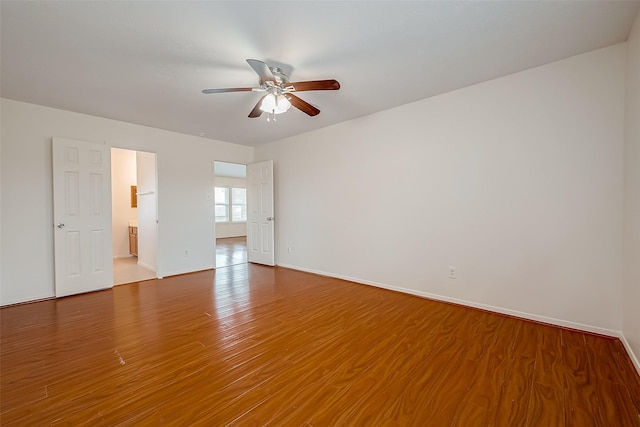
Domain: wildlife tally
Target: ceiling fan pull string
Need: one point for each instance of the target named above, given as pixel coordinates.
(273, 112)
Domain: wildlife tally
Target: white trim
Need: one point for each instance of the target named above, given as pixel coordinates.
(148, 267)
(514, 313)
(627, 346)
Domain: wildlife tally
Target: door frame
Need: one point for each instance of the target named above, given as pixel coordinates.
(157, 223)
(215, 182)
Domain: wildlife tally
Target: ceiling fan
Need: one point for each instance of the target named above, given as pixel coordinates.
(279, 90)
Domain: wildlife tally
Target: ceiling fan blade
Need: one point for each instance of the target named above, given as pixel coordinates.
(231, 89)
(302, 105)
(262, 69)
(315, 85)
(256, 112)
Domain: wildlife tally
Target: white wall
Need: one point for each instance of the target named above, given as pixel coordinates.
(123, 176)
(230, 229)
(632, 195)
(517, 182)
(185, 192)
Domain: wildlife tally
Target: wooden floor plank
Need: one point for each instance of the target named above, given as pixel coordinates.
(479, 404)
(549, 368)
(546, 407)
(254, 345)
(518, 379)
(616, 405)
(582, 405)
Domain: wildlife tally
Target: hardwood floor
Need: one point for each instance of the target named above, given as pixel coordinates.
(253, 345)
(231, 251)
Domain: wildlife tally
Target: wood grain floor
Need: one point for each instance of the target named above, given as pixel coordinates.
(231, 251)
(252, 345)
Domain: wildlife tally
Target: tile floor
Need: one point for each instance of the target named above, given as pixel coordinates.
(127, 270)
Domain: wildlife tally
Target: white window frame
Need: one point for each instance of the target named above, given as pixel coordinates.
(232, 204)
(225, 204)
(229, 205)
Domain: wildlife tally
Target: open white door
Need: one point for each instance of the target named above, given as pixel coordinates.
(82, 216)
(147, 209)
(260, 213)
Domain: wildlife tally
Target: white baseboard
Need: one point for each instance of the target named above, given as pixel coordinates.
(148, 267)
(495, 309)
(231, 236)
(632, 355)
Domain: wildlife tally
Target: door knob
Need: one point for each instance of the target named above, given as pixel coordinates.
(270, 218)
(60, 225)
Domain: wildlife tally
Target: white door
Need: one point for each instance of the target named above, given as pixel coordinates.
(147, 209)
(82, 216)
(260, 216)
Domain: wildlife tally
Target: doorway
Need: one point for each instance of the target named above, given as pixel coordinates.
(230, 180)
(134, 215)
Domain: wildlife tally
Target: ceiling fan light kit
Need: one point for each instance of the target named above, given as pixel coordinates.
(279, 97)
(276, 104)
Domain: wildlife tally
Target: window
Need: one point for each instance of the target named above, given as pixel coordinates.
(238, 204)
(234, 198)
(222, 204)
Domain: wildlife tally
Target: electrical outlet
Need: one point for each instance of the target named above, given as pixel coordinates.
(452, 273)
(289, 249)
(186, 252)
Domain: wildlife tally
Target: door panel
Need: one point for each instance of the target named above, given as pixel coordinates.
(147, 210)
(260, 215)
(82, 217)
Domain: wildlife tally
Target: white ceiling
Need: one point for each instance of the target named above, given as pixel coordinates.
(146, 62)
